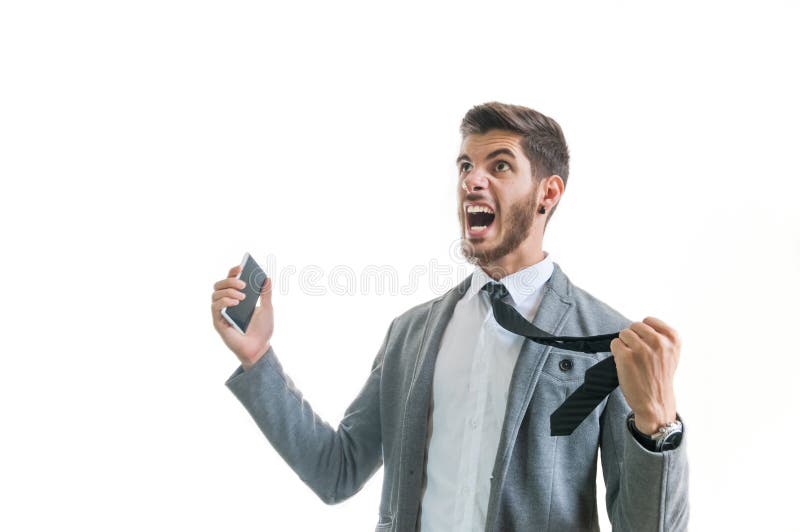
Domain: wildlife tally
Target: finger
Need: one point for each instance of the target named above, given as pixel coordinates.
(663, 328)
(221, 322)
(649, 336)
(228, 292)
(618, 348)
(223, 302)
(233, 272)
(266, 292)
(632, 340)
(216, 314)
(230, 282)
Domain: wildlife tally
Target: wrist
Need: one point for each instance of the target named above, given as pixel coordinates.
(666, 438)
(648, 425)
(250, 361)
(649, 420)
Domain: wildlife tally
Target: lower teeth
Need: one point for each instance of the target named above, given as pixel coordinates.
(478, 227)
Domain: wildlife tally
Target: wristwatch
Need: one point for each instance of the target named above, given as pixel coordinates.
(667, 438)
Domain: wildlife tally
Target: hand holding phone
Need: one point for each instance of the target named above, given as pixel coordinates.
(245, 328)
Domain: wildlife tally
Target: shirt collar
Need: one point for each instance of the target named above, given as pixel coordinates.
(520, 284)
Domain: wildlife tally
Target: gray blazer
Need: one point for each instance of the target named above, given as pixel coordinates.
(539, 482)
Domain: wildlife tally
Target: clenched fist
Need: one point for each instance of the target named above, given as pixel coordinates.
(646, 355)
(250, 347)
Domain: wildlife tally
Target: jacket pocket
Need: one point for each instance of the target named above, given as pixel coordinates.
(384, 524)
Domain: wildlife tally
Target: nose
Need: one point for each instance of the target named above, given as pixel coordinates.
(474, 181)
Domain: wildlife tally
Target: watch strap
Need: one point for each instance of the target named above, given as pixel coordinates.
(666, 439)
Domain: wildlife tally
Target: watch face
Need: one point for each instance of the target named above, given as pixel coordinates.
(672, 441)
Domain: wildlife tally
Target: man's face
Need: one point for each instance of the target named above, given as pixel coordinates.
(496, 195)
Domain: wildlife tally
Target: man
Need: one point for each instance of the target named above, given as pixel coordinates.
(457, 408)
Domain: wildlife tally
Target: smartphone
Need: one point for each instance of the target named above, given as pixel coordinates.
(252, 274)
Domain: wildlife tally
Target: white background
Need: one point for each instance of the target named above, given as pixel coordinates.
(144, 146)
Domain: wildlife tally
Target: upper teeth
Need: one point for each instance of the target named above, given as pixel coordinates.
(479, 208)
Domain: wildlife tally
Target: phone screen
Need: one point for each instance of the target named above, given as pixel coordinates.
(252, 274)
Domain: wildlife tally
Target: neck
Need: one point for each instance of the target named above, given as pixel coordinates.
(527, 254)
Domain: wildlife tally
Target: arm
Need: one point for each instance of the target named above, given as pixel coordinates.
(644, 490)
(335, 464)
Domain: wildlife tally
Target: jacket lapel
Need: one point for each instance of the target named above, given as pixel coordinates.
(414, 436)
(551, 317)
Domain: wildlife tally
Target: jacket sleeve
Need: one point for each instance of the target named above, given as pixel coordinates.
(334, 463)
(645, 491)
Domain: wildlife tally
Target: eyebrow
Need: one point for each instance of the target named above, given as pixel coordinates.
(495, 153)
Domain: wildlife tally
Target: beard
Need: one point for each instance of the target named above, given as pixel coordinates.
(516, 227)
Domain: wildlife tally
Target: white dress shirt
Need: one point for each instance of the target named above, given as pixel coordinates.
(470, 389)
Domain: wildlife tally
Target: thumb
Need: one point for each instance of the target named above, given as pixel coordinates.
(266, 293)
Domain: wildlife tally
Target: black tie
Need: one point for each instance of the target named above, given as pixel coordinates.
(600, 380)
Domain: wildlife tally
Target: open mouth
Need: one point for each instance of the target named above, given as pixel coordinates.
(479, 219)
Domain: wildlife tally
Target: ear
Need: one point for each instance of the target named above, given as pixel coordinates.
(553, 190)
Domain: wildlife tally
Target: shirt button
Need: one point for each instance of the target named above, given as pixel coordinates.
(473, 423)
(565, 365)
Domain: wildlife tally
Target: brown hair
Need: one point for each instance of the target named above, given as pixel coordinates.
(542, 139)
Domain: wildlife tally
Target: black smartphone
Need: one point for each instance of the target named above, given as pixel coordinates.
(252, 274)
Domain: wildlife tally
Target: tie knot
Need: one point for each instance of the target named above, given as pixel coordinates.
(495, 290)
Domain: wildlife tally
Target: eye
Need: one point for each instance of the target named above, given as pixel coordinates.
(502, 166)
(463, 167)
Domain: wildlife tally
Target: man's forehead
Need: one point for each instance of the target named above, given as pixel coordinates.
(478, 143)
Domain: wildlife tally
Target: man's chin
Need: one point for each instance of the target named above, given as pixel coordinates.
(476, 250)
